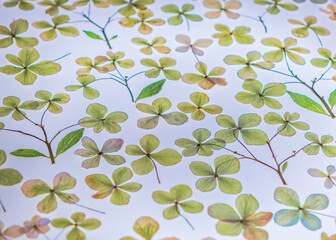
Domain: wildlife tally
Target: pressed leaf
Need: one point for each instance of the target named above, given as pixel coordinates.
(27, 153)
(69, 140)
(92, 35)
(151, 90)
(9, 177)
(306, 102)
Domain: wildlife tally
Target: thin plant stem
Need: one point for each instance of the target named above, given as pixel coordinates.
(156, 170)
(136, 74)
(129, 90)
(73, 125)
(321, 214)
(259, 19)
(186, 219)
(273, 137)
(246, 148)
(263, 23)
(24, 115)
(51, 153)
(44, 113)
(294, 154)
(188, 25)
(322, 75)
(110, 78)
(254, 159)
(2, 206)
(45, 235)
(91, 209)
(62, 57)
(332, 181)
(24, 133)
(194, 54)
(272, 152)
(319, 39)
(321, 98)
(120, 73)
(116, 76)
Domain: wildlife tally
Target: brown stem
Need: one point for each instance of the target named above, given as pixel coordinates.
(2, 206)
(295, 153)
(45, 111)
(281, 176)
(246, 148)
(24, 115)
(51, 153)
(272, 152)
(332, 181)
(24, 133)
(156, 171)
(73, 125)
(91, 209)
(254, 159)
(186, 219)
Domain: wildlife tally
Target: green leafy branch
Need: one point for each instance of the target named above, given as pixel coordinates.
(65, 144)
(256, 137)
(304, 101)
(101, 28)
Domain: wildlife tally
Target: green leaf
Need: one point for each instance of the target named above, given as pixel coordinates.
(332, 99)
(92, 35)
(3, 157)
(114, 37)
(9, 177)
(306, 102)
(151, 90)
(284, 167)
(69, 140)
(27, 153)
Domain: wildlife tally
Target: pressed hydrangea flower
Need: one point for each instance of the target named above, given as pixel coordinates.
(302, 31)
(248, 220)
(157, 44)
(205, 80)
(54, 5)
(259, 96)
(327, 58)
(156, 68)
(247, 72)
(23, 4)
(53, 102)
(284, 48)
(94, 155)
(201, 147)
(36, 226)
(200, 43)
(145, 19)
(98, 119)
(330, 11)
(275, 5)
(199, 99)
(158, 109)
(89, 65)
(51, 34)
(288, 123)
(14, 231)
(12, 106)
(116, 59)
(226, 36)
(218, 8)
(317, 144)
(224, 165)
(177, 20)
(290, 217)
(329, 179)
(131, 6)
(96, 3)
(16, 28)
(88, 92)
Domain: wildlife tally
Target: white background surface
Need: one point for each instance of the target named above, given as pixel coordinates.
(256, 179)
